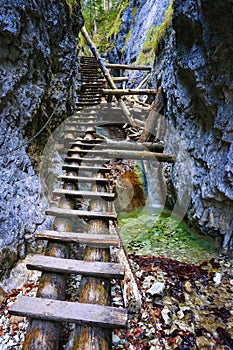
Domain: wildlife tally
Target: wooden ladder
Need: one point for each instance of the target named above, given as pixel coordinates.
(86, 163)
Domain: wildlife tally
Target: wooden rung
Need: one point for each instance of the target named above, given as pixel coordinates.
(81, 267)
(81, 168)
(129, 146)
(86, 160)
(88, 141)
(85, 194)
(98, 215)
(91, 240)
(80, 179)
(64, 311)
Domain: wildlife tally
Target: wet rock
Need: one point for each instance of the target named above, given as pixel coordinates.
(156, 289)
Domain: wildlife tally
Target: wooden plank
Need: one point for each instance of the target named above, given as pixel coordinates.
(87, 168)
(127, 66)
(84, 194)
(130, 146)
(123, 145)
(80, 179)
(137, 155)
(69, 266)
(60, 212)
(63, 311)
(123, 92)
(91, 240)
(85, 160)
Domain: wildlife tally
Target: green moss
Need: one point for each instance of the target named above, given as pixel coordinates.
(127, 39)
(147, 233)
(114, 28)
(154, 37)
(71, 4)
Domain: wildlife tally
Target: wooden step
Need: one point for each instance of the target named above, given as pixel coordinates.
(81, 267)
(91, 240)
(64, 311)
(89, 141)
(83, 179)
(82, 168)
(86, 160)
(84, 194)
(98, 215)
(85, 119)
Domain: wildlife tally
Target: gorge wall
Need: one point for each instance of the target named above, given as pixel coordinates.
(38, 72)
(193, 64)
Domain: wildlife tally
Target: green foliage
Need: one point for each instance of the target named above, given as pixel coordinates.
(103, 19)
(126, 40)
(155, 36)
(115, 19)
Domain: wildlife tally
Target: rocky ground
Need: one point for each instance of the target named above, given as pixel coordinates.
(185, 306)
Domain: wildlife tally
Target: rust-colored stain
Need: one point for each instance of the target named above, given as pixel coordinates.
(129, 191)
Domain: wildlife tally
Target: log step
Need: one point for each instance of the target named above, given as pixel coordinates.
(82, 179)
(63, 311)
(84, 194)
(89, 141)
(81, 267)
(81, 168)
(91, 240)
(86, 160)
(98, 215)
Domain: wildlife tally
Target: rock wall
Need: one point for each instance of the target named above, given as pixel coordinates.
(195, 68)
(38, 66)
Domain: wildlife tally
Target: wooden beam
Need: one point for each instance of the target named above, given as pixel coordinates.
(80, 267)
(130, 146)
(122, 92)
(60, 212)
(127, 66)
(63, 311)
(137, 155)
(93, 240)
(116, 79)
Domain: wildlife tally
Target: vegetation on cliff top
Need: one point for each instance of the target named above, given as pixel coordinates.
(103, 19)
(155, 36)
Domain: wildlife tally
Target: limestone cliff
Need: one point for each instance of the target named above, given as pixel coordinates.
(38, 42)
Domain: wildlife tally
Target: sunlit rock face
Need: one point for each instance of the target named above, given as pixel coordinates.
(195, 69)
(38, 42)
